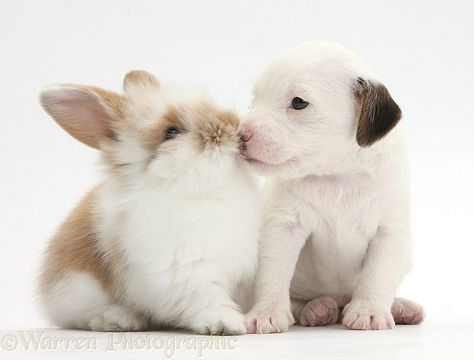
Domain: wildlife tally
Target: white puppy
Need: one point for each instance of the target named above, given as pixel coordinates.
(337, 221)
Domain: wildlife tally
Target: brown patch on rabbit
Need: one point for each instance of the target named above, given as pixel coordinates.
(75, 248)
(216, 128)
(213, 128)
(172, 119)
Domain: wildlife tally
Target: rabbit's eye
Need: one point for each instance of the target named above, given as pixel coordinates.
(171, 133)
(298, 103)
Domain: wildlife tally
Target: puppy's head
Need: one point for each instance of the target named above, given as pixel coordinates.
(314, 109)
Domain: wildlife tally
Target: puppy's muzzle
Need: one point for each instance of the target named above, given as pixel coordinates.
(244, 139)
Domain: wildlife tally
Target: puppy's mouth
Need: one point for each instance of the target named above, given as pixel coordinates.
(268, 167)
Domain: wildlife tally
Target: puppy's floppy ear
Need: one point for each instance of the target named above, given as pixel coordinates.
(87, 113)
(379, 113)
(139, 80)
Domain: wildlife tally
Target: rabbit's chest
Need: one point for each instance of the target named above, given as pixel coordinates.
(178, 235)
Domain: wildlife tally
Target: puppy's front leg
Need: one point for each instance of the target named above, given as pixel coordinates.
(281, 243)
(386, 263)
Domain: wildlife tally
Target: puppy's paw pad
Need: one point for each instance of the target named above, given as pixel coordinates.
(274, 319)
(407, 312)
(361, 317)
(319, 312)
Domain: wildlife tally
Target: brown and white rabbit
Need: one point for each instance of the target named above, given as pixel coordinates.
(169, 238)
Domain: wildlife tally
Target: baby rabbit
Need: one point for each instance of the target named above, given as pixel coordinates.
(169, 239)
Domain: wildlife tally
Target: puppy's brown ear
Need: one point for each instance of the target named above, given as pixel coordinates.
(87, 113)
(379, 113)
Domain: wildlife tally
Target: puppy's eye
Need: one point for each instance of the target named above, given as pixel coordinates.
(298, 103)
(171, 133)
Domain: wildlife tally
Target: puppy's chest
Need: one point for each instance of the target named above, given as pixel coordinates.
(343, 235)
(341, 214)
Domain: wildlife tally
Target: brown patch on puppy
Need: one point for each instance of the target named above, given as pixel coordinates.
(75, 248)
(379, 112)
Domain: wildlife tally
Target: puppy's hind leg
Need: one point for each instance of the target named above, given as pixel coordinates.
(320, 311)
(406, 312)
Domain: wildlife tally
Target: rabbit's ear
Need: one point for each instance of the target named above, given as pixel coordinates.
(89, 114)
(139, 80)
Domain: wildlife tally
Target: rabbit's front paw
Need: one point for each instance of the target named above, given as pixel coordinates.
(220, 322)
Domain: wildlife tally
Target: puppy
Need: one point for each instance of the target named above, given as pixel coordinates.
(336, 232)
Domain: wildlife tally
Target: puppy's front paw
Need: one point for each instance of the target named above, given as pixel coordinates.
(361, 316)
(269, 319)
(319, 312)
(220, 322)
(407, 312)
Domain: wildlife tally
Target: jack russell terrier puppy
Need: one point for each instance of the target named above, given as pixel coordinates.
(336, 232)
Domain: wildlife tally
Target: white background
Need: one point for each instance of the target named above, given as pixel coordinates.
(424, 51)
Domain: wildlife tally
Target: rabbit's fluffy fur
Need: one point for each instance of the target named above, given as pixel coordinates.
(161, 241)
